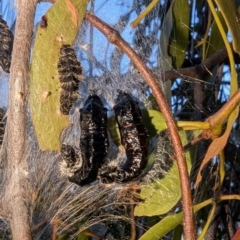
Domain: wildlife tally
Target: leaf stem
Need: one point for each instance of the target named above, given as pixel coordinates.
(144, 13)
(193, 125)
(209, 220)
(225, 111)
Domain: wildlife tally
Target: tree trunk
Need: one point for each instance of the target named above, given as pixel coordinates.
(17, 192)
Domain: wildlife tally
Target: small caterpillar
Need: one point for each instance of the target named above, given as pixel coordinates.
(134, 138)
(6, 45)
(70, 74)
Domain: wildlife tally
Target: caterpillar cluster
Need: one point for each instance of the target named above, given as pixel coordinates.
(70, 74)
(6, 45)
(94, 142)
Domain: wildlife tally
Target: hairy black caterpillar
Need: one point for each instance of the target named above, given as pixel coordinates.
(6, 45)
(94, 139)
(70, 74)
(134, 138)
(93, 144)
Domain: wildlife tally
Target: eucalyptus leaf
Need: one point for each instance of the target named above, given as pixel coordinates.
(215, 41)
(162, 195)
(114, 130)
(82, 236)
(167, 224)
(153, 121)
(179, 35)
(232, 19)
(166, 59)
(61, 24)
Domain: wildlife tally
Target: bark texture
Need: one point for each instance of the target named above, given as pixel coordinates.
(17, 195)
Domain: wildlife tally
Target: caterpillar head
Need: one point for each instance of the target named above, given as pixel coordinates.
(71, 162)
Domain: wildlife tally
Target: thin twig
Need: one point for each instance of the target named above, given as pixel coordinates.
(115, 38)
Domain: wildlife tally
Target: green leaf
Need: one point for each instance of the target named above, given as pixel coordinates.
(215, 41)
(153, 121)
(168, 223)
(162, 195)
(232, 19)
(166, 30)
(63, 237)
(166, 60)
(82, 236)
(63, 21)
(163, 227)
(179, 36)
(177, 233)
(114, 131)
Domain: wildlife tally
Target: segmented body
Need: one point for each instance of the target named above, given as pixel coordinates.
(6, 45)
(94, 138)
(134, 138)
(93, 141)
(70, 74)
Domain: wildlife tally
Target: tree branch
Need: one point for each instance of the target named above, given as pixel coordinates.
(114, 38)
(16, 198)
(196, 72)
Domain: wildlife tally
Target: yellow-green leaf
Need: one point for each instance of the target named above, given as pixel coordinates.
(180, 32)
(154, 121)
(162, 195)
(232, 19)
(215, 41)
(114, 131)
(159, 230)
(63, 20)
(218, 144)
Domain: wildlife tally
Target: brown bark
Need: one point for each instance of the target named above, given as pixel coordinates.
(17, 192)
(195, 73)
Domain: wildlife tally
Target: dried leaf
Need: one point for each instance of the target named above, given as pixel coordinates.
(218, 144)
